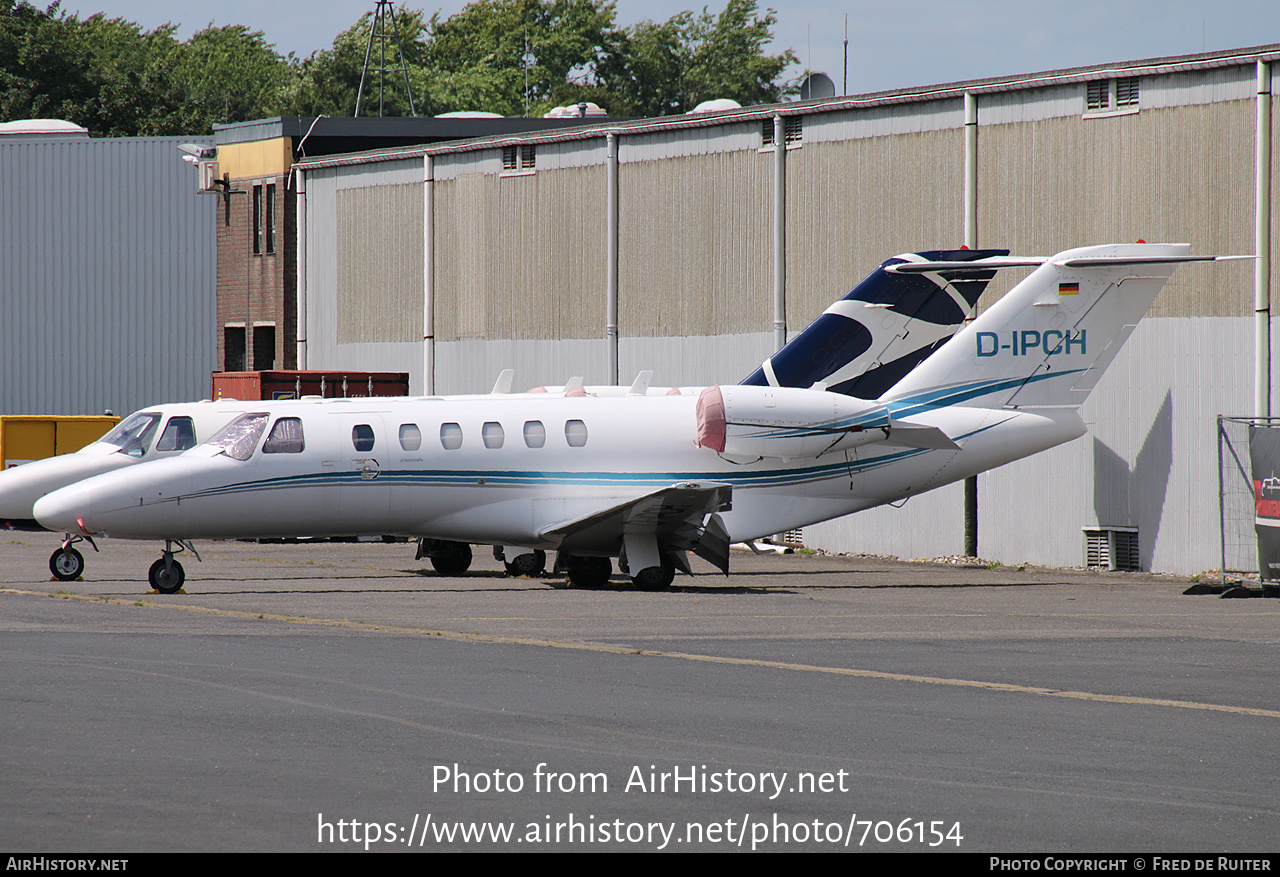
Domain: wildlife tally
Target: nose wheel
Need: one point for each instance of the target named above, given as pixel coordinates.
(66, 564)
(166, 574)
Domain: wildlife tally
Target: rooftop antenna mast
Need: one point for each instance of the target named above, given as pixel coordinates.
(378, 31)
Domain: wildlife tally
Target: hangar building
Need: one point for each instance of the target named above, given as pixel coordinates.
(692, 244)
(106, 272)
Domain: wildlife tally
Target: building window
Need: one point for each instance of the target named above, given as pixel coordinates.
(271, 218)
(1127, 92)
(519, 159)
(256, 220)
(792, 127)
(233, 349)
(1109, 96)
(264, 347)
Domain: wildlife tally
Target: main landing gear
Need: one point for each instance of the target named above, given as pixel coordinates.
(66, 563)
(166, 574)
(588, 572)
(447, 558)
(528, 563)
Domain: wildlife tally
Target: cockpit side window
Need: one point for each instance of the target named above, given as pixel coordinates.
(133, 436)
(179, 435)
(239, 437)
(285, 438)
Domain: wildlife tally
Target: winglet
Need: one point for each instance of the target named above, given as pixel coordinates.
(640, 386)
(502, 386)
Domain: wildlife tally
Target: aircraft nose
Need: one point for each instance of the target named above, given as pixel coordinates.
(67, 510)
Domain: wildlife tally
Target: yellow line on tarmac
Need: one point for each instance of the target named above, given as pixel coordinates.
(614, 649)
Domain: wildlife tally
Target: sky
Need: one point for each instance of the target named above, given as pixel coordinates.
(891, 45)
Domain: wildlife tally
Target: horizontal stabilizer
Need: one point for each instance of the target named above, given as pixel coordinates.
(912, 436)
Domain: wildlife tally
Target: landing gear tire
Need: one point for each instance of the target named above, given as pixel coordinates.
(66, 564)
(532, 563)
(654, 578)
(167, 578)
(589, 572)
(452, 559)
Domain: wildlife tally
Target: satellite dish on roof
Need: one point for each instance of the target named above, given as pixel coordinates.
(817, 85)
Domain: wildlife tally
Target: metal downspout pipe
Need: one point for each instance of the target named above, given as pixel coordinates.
(1262, 248)
(971, 241)
(428, 277)
(779, 233)
(611, 256)
(300, 290)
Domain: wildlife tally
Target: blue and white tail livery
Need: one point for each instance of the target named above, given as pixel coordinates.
(646, 478)
(886, 326)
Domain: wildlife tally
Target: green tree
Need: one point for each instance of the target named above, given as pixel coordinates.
(327, 82)
(44, 66)
(672, 67)
(476, 60)
(227, 74)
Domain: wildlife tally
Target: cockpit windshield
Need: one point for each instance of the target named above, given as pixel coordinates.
(239, 437)
(133, 436)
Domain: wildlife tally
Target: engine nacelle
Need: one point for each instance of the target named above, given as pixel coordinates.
(786, 422)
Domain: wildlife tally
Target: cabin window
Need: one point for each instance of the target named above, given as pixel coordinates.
(575, 433)
(179, 435)
(133, 436)
(362, 437)
(285, 438)
(535, 434)
(239, 437)
(492, 435)
(410, 436)
(450, 436)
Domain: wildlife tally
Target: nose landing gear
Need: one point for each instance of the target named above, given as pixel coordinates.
(166, 574)
(66, 563)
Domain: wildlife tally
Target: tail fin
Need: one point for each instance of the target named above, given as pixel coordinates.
(887, 325)
(1049, 339)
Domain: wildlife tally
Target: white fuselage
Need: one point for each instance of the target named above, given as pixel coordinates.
(170, 430)
(595, 451)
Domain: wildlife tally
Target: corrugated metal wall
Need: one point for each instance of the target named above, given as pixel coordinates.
(852, 204)
(695, 245)
(107, 269)
(520, 256)
(380, 263)
(1179, 174)
(520, 277)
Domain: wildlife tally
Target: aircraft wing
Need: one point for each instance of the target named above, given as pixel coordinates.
(664, 523)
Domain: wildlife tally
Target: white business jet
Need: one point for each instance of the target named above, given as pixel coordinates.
(861, 345)
(647, 478)
(150, 434)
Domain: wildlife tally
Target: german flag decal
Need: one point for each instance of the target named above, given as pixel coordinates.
(1068, 289)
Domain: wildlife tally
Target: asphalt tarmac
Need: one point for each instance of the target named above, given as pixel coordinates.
(343, 697)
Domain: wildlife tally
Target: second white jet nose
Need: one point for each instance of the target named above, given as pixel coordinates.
(67, 510)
